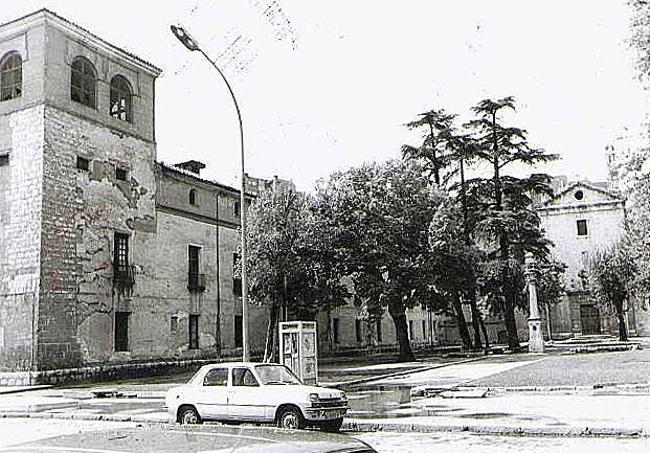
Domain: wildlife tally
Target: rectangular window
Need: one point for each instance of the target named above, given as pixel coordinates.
(4, 159)
(194, 331)
(411, 332)
(582, 227)
(239, 338)
(236, 209)
(379, 332)
(121, 331)
(337, 326)
(358, 329)
(121, 253)
(243, 377)
(193, 266)
(236, 282)
(424, 329)
(83, 163)
(174, 324)
(120, 173)
(216, 377)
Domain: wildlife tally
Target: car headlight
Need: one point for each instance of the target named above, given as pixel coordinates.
(313, 397)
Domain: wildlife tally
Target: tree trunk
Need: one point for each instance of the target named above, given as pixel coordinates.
(548, 323)
(622, 328)
(477, 319)
(460, 320)
(436, 166)
(328, 330)
(270, 332)
(476, 316)
(398, 314)
(485, 335)
(511, 324)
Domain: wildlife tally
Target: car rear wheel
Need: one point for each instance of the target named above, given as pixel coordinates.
(187, 415)
(291, 418)
(331, 426)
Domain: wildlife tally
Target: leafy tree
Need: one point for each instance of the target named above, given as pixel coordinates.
(640, 34)
(378, 216)
(610, 275)
(434, 155)
(454, 263)
(287, 262)
(507, 225)
(550, 289)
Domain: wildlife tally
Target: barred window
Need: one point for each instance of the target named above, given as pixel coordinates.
(83, 82)
(11, 76)
(121, 99)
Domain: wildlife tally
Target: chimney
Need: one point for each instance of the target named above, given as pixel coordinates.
(193, 166)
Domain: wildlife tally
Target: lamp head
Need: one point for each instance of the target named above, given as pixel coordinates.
(184, 37)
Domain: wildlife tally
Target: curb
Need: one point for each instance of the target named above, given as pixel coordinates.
(498, 430)
(605, 387)
(354, 426)
(22, 389)
(357, 382)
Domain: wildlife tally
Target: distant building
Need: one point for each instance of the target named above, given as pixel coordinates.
(581, 219)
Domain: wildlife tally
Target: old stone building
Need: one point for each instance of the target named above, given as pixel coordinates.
(110, 260)
(105, 255)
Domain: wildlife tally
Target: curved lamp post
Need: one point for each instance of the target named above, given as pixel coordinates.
(192, 45)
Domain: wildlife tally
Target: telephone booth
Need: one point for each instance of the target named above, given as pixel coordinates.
(298, 349)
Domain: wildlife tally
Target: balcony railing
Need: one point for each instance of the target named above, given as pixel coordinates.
(124, 276)
(195, 282)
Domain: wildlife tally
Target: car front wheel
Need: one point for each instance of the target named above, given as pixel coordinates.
(291, 418)
(187, 415)
(331, 426)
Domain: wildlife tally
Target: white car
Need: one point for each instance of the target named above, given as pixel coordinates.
(255, 392)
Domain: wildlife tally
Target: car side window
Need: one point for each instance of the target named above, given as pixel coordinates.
(243, 377)
(216, 377)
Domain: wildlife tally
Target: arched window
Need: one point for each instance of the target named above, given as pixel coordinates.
(192, 196)
(11, 76)
(83, 81)
(121, 95)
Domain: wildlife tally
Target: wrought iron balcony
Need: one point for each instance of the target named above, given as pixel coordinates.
(195, 281)
(124, 276)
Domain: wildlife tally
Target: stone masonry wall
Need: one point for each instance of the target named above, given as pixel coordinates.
(21, 136)
(82, 211)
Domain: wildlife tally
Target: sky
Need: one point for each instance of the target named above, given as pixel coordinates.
(325, 85)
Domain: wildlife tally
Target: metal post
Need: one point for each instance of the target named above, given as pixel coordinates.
(192, 45)
(535, 337)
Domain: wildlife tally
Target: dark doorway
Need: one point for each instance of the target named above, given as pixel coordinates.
(121, 331)
(239, 340)
(590, 319)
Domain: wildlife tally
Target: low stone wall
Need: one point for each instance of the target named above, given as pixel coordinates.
(101, 372)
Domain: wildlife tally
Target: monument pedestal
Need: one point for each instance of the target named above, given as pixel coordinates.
(535, 337)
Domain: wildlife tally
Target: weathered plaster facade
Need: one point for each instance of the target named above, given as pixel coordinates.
(581, 219)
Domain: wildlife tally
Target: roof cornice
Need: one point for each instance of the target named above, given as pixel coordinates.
(45, 16)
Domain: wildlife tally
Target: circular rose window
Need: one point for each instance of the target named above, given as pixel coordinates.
(579, 195)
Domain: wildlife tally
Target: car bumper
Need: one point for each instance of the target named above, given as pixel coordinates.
(325, 413)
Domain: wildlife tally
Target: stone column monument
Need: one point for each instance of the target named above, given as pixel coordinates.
(535, 338)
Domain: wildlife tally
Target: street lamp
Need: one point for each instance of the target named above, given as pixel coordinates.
(192, 45)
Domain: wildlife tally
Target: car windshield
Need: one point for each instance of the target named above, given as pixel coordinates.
(276, 374)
